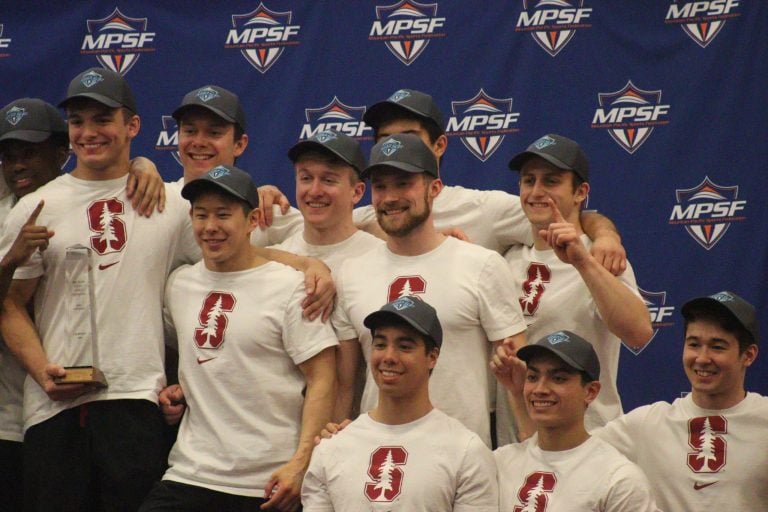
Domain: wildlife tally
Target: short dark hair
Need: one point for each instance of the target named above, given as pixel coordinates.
(724, 320)
(396, 114)
(247, 208)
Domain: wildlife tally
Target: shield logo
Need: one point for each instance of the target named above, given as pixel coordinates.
(336, 110)
(390, 147)
(629, 137)
(262, 56)
(119, 24)
(656, 302)
(218, 172)
(206, 94)
(558, 337)
(554, 38)
(702, 26)
(168, 139)
(15, 115)
(91, 78)
(405, 47)
(478, 138)
(706, 229)
(324, 136)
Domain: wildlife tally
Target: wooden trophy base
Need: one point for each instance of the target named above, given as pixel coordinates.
(82, 375)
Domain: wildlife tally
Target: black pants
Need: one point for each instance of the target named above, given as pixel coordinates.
(11, 487)
(100, 456)
(169, 496)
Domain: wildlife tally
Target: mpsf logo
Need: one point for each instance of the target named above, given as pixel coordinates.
(707, 211)
(482, 122)
(117, 41)
(701, 20)
(15, 115)
(262, 36)
(4, 43)
(660, 313)
(406, 28)
(553, 23)
(630, 114)
(335, 116)
(168, 138)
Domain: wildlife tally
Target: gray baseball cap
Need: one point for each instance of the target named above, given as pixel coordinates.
(560, 151)
(413, 101)
(404, 151)
(30, 120)
(218, 100)
(414, 311)
(232, 180)
(334, 143)
(103, 85)
(738, 308)
(577, 352)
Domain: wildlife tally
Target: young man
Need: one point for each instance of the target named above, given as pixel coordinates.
(490, 218)
(559, 283)
(468, 285)
(404, 453)
(70, 429)
(562, 467)
(246, 355)
(707, 450)
(328, 186)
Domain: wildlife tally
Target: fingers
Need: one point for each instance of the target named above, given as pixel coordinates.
(557, 215)
(35, 213)
(130, 187)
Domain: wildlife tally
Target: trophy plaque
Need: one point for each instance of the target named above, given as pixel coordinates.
(81, 321)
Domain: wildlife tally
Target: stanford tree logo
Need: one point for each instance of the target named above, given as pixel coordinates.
(406, 28)
(385, 468)
(553, 23)
(707, 211)
(335, 116)
(482, 122)
(630, 115)
(117, 41)
(262, 36)
(212, 320)
(534, 494)
(701, 20)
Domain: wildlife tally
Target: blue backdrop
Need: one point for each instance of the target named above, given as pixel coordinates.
(667, 97)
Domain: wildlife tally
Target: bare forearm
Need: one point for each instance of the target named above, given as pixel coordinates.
(318, 403)
(596, 225)
(301, 263)
(22, 339)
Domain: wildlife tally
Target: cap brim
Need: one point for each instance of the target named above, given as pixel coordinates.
(27, 135)
(383, 317)
(519, 160)
(96, 97)
(402, 166)
(193, 189)
(528, 352)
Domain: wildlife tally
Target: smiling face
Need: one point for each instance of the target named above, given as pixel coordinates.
(714, 365)
(101, 137)
(555, 396)
(540, 180)
(29, 165)
(205, 141)
(222, 229)
(402, 200)
(400, 361)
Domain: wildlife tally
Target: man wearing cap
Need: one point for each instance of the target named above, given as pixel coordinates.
(490, 218)
(468, 285)
(558, 282)
(403, 454)
(709, 449)
(328, 186)
(561, 467)
(246, 353)
(86, 446)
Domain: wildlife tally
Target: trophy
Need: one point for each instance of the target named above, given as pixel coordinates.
(81, 321)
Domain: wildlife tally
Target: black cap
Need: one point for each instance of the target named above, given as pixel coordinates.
(577, 352)
(333, 143)
(414, 311)
(560, 151)
(218, 100)
(228, 178)
(415, 102)
(102, 85)
(404, 151)
(30, 120)
(729, 302)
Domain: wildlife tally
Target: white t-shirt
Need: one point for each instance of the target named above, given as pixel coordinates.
(433, 463)
(468, 286)
(131, 257)
(553, 297)
(12, 374)
(283, 227)
(699, 459)
(490, 218)
(241, 337)
(591, 477)
(332, 255)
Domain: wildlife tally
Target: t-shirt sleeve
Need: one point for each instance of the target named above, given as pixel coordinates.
(510, 225)
(477, 486)
(364, 216)
(622, 432)
(304, 338)
(342, 324)
(314, 489)
(283, 226)
(13, 224)
(500, 312)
